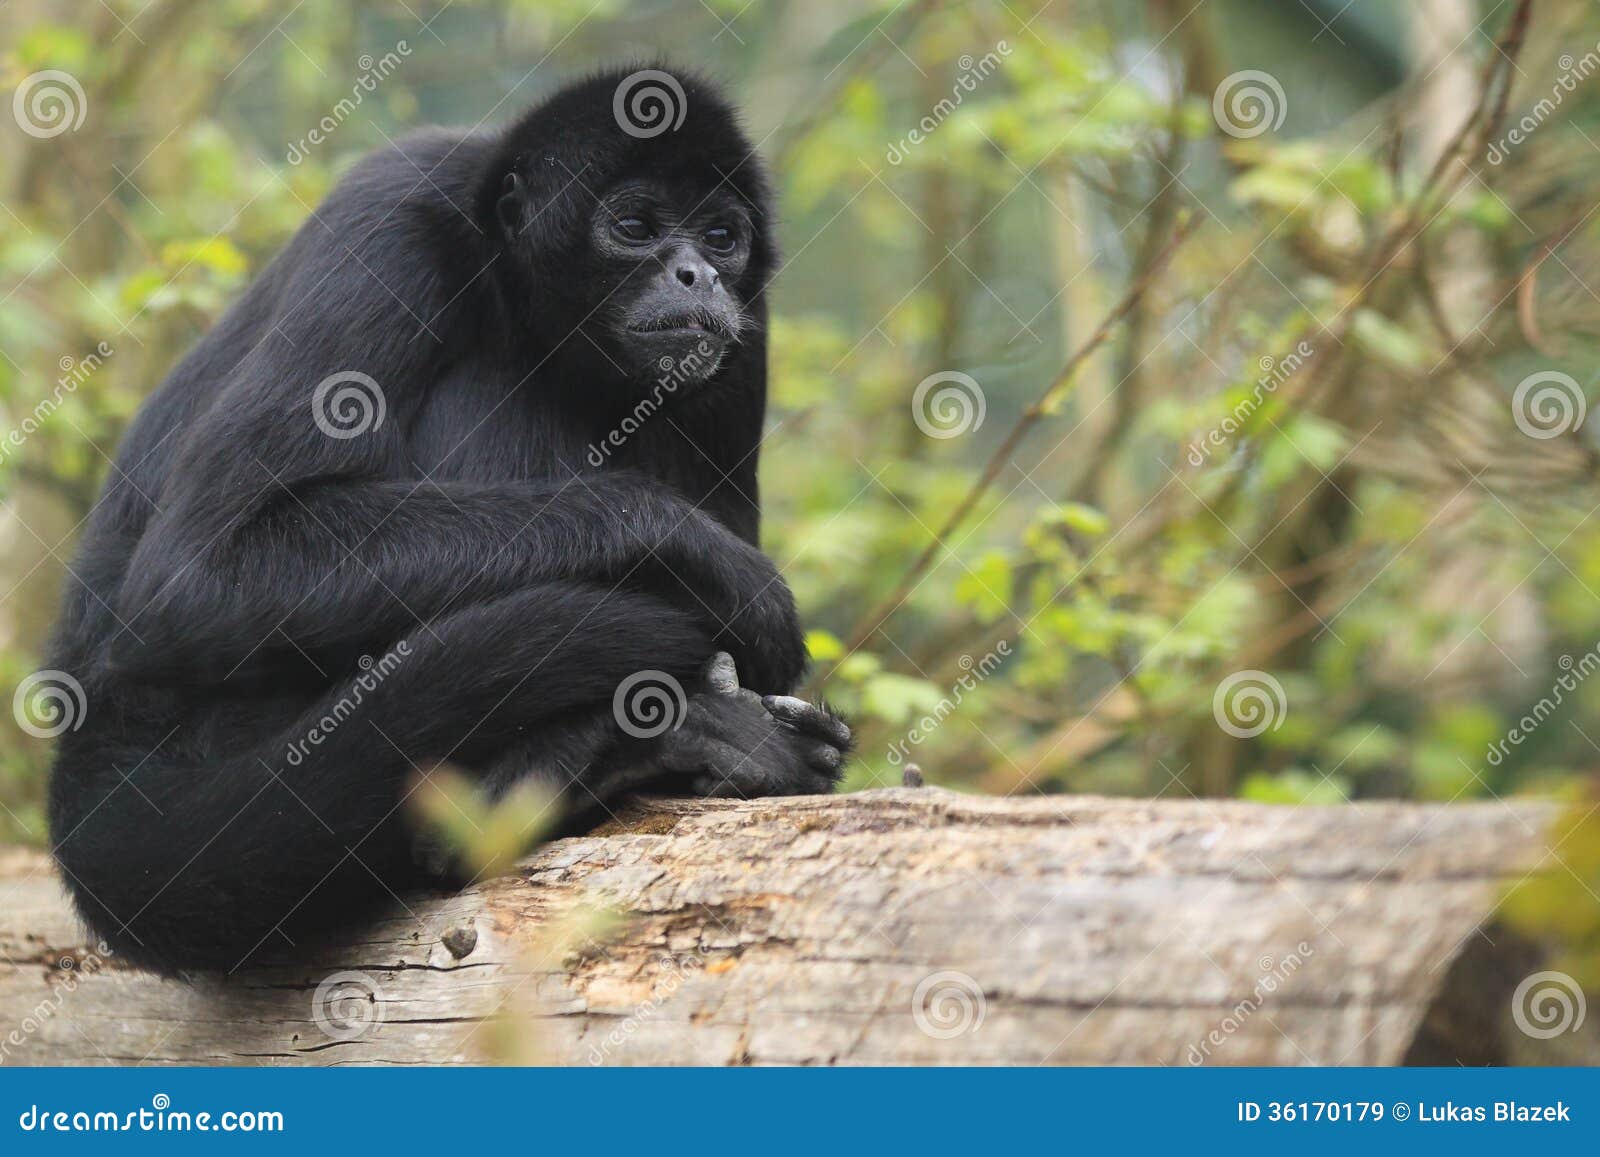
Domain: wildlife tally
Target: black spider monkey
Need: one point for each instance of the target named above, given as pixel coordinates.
(401, 442)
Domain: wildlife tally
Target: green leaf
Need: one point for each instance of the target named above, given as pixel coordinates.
(1086, 520)
(898, 698)
(1295, 786)
(217, 254)
(987, 587)
(825, 647)
(1384, 339)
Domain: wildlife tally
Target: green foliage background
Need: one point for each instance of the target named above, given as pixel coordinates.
(1378, 536)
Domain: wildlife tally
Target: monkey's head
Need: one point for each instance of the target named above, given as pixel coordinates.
(635, 217)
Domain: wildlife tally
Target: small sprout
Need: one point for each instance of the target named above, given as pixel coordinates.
(487, 837)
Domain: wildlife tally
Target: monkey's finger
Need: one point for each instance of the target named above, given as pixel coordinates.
(792, 710)
(714, 786)
(721, 675)
(826, 756)
(732, 774)
(808, 718)
(688, 750)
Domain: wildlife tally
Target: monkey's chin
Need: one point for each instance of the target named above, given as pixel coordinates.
(681, 358)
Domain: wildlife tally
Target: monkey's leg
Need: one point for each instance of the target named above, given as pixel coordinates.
(183, 857)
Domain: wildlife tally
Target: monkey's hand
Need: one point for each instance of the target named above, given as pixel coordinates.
(747, 605)
(734, 743)
(765, 637)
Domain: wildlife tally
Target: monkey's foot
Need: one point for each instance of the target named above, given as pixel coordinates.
(733, 743)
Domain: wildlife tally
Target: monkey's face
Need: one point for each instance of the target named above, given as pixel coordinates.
(669, 270)
(636, 259)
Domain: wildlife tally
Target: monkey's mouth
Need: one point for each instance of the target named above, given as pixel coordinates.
(687, 323)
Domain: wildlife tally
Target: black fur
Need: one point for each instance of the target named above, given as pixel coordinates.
(499, 562)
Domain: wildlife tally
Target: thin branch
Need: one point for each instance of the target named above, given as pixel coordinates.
(865, 64)
(1048, 399)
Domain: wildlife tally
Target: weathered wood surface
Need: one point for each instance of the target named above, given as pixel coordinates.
(898, 926)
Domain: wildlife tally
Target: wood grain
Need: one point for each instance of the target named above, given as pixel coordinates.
(905, 926)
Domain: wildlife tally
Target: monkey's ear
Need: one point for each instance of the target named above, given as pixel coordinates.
(509, 207)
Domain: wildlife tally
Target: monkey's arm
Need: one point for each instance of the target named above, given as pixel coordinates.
(332, 567)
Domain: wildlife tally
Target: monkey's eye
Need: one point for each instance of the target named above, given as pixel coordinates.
(633, 229)
(719, 239)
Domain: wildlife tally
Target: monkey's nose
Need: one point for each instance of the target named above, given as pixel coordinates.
(696, 274)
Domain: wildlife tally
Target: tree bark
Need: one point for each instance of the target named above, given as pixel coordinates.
(903, 926)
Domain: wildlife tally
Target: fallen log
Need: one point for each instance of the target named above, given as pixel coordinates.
(904, 926)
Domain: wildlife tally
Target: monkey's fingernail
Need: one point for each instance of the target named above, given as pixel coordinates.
(721, 674)
(835, 731)
(911, 776)
(829, 756)
(785, 706)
